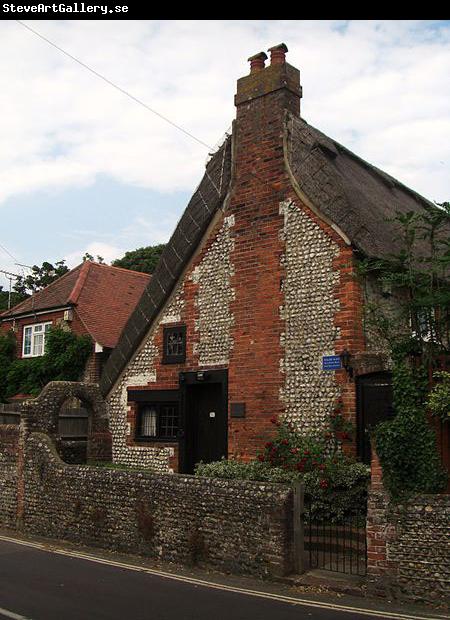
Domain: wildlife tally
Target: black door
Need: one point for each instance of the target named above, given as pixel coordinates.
(374, 406)
(205, 420)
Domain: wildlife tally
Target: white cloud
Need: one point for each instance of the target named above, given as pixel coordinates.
(97, 248)
(382, 88)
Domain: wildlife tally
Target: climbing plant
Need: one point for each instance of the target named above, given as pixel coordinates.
(439, 398)
(65, 357)
(416, 332)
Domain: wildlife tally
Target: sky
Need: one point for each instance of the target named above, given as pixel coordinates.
(84, 168)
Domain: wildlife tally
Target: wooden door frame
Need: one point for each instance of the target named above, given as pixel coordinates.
(199, 378)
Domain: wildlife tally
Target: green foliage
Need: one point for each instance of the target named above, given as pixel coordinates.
(416, 333)
(421, 279)
(7, 353)
(345, 492)
(65, 356)
(438, 400)
(142, 259)
(16, 298)
(304, 453)
(406, 445)
(335, 485)
(89, 257)
(40, 277)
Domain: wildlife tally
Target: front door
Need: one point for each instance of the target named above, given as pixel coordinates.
(374, 406)
(205, 420)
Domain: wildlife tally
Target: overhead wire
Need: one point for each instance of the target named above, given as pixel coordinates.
(116, 86)
(135, 99)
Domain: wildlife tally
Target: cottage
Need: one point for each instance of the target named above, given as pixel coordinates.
(92, 299)
(254, 306)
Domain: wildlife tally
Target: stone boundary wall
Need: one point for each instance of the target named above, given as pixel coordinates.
(231, 526)
(9, 454)
(408, 545)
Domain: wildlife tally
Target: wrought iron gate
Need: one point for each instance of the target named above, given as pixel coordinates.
(340, 547)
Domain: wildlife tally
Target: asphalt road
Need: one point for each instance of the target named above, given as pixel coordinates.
(39, 585)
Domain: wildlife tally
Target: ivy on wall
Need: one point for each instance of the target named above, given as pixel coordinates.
(65, 357)
(417, 335)
(439, 398)
(406, 445)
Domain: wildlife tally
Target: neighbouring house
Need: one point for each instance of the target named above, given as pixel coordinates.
(255, 306)
(92, 299)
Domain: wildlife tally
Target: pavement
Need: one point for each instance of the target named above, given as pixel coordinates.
(48, 580)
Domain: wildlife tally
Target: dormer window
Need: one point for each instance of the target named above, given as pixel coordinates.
(174, 343)
(34, 339)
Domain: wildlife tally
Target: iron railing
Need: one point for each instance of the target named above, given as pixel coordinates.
(340, 547)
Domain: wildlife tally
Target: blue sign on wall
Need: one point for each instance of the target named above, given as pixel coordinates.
(331, 362)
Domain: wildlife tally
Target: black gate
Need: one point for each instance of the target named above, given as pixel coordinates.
(339, 547)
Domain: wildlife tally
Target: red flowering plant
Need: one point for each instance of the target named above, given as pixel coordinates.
(339, 429)
(335, 484)
(292, 451)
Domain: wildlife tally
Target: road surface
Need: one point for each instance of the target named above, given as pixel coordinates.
(37, 584)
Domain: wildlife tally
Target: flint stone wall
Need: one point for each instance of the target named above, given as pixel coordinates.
(42, 415)
(234, 526)
(9, 444)
(408, 545)
(422, 546)
(309, 393)
(212, 327)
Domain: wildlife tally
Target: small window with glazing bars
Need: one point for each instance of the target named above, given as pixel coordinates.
(174, 345)
(158, 421)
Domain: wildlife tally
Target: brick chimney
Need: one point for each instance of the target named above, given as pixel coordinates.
(261, 100)
(260, 183)
(280, 81)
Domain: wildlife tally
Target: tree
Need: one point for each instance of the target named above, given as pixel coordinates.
(142, 259)
(16, 298)
(89, 257)
(40, 277)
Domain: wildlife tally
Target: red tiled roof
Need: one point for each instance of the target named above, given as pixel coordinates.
(54, 295)
(104, 297)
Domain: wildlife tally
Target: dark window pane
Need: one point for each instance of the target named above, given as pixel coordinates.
(168, 422)
(175, 343)
(174, 351)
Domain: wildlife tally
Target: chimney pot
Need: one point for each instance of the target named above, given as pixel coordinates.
(278, 54)
(257, 62)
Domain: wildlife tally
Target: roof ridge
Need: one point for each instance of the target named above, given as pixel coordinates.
(132, 271)
(74, 295)
(38, 293)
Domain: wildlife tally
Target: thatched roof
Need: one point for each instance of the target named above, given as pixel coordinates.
(359, 198)
(205, 202)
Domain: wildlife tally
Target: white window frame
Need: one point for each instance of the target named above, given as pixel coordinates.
(42, 329)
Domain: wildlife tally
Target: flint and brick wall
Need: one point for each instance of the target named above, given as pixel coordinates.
(233, 526)
(9, 454)
(201, 302)
(408, 545)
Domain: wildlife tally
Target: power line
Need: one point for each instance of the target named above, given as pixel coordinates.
(119, 88)
(135, 99)
(8, 252)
